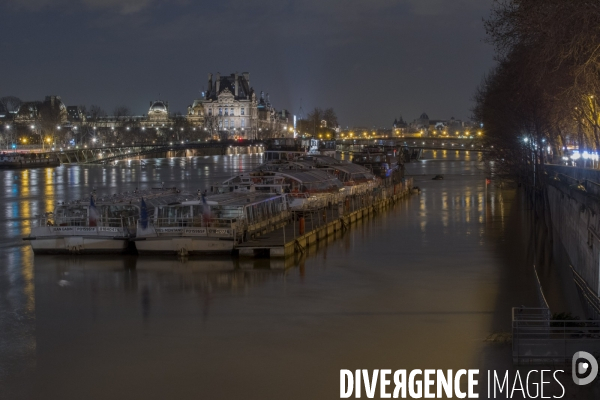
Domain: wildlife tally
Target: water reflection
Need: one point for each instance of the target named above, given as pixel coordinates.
(419, 286)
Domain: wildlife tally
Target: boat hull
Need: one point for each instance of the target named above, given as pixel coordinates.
(79, 240)
(184, 245)
(79, 245)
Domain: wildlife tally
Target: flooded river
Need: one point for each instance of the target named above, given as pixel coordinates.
(420, 286)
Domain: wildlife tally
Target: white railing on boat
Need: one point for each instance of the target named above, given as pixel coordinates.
(211, 227)
(85, 222)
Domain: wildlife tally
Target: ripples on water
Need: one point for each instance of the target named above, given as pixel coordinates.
(419, 286)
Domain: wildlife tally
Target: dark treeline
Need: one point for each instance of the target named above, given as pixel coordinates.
(543, 94)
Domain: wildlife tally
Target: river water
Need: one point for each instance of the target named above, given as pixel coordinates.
(420, 286)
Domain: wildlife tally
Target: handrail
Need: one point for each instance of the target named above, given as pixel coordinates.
(85, 221)
(197, 221)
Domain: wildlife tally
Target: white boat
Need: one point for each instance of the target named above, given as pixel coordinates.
(93, 226)
(75, 229)
(355, 178)
(209, 225)
(310, 188)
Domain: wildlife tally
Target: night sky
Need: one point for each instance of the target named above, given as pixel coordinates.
(371, 60)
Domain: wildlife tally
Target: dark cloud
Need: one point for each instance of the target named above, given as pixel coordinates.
(372, 60)
(120, 6)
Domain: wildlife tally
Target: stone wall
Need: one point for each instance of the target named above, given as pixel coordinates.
(575, 219)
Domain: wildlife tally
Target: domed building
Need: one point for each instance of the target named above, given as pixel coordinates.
(158, 112)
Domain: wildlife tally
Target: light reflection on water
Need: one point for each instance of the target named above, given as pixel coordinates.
(420, 286)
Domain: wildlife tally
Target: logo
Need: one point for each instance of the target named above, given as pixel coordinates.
(583, 364)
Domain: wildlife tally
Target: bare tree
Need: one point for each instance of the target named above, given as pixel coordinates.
(96, 112)
(50, 121)
(330, 117)
(10, 104)
(546, 86)
(121, 111)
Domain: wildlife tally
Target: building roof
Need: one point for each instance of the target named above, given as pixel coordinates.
(400, 123)
(227, 82)
(159, 106)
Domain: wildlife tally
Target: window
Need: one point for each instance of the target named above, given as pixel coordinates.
(226, 111)
(226, 123)
(210, 111)
(220, 124)
(242, 110)
(232, 111)
(220, 111)
(243, 122)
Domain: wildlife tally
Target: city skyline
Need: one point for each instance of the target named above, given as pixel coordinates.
(309, 55)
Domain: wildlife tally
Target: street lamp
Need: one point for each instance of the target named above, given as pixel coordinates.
(8, 128)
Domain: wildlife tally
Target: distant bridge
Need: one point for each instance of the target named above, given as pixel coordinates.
(427, 143)
(106, 154)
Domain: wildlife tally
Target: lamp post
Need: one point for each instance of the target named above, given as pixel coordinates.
(8, 129)
(55, 135)
(37, 131)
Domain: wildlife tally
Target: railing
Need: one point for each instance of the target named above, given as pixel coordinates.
(538, 339)
(85, 221)
(584, 185)
(194, 226)
(177, 222)
(313, 201)
(590, 299)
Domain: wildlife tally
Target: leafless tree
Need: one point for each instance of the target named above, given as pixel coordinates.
(121, 111)
(330, 117)
(546, 86)
(10, 103)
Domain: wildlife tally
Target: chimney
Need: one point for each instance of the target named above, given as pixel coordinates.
(236, 84)
(247, 78)
(218, 83)
(209, 82)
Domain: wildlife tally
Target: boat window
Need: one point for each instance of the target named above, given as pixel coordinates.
(174, 214)
(72, 216)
